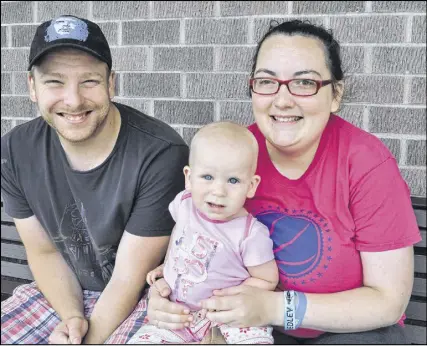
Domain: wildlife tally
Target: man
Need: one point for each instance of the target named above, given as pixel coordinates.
(88, 185)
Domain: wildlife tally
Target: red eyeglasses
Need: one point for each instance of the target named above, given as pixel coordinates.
(297, 87)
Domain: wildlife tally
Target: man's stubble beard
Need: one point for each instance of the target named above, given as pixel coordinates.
(95, 129)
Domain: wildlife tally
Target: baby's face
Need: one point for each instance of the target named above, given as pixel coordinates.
(220, 180)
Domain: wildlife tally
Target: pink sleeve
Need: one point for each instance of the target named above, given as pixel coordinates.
(174, 205)
(381, 206)
(257, 248)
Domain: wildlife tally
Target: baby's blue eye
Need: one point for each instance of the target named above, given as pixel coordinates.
(207, 177)
(233, 181)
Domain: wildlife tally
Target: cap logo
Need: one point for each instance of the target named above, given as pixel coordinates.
(66, 28)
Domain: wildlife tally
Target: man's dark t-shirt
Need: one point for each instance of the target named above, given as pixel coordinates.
(85, 213)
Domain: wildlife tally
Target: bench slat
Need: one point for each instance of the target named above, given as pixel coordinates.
(5, 217)
(13, 251)
(7, 286)
(9, 233)
(416, 311)
(421, 216)
(416, 334)
(423, 242)
(419, 288)
(420, 264)
(419, 202)
(16, 270)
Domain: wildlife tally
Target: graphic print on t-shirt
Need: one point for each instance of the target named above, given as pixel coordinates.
(191, 256)
(73, 238)
(302, 243)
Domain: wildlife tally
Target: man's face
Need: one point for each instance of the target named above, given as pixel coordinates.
(72, 90)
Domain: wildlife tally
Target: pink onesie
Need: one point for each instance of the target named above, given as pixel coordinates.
(205, 254)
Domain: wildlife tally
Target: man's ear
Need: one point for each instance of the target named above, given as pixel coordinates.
(112, 84)
(187, 173)
(31, 87)
(256, 179)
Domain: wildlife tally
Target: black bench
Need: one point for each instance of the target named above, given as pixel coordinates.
(15, 270)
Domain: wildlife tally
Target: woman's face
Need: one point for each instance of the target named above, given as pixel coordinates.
(291, 123)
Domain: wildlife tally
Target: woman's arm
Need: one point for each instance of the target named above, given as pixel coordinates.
(388, 279)
(265, 276)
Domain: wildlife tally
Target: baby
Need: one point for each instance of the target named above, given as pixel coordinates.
(215, 243)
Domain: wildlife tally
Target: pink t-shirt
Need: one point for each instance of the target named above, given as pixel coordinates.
(352, 198)
(205, 255)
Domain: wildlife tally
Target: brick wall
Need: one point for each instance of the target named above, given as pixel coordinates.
(187, 63)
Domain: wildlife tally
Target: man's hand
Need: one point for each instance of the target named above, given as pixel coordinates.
(69, 331)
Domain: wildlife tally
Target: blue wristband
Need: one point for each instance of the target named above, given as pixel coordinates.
(289, 315)
(300, 309)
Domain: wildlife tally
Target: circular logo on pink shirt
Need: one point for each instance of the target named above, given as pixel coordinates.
(300, 248)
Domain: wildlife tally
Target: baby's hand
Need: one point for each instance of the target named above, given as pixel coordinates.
(203, 313)
(155, 274)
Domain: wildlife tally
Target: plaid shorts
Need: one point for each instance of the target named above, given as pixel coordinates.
(27, 317)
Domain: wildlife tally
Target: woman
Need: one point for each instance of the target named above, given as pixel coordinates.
(338, 210)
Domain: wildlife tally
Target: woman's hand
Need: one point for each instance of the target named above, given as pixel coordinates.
(163, 313)
(245, 306)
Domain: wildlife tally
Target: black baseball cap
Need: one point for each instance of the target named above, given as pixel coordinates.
(70, 31)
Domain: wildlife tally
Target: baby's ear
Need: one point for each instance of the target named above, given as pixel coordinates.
(187, 173)
(256, 179)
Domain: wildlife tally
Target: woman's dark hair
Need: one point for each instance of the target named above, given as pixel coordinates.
(305, 28)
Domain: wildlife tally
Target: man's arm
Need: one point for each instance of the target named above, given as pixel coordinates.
(136, 256)
(53, 276)
(143, 244)
(158, 272)
(265, 276)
